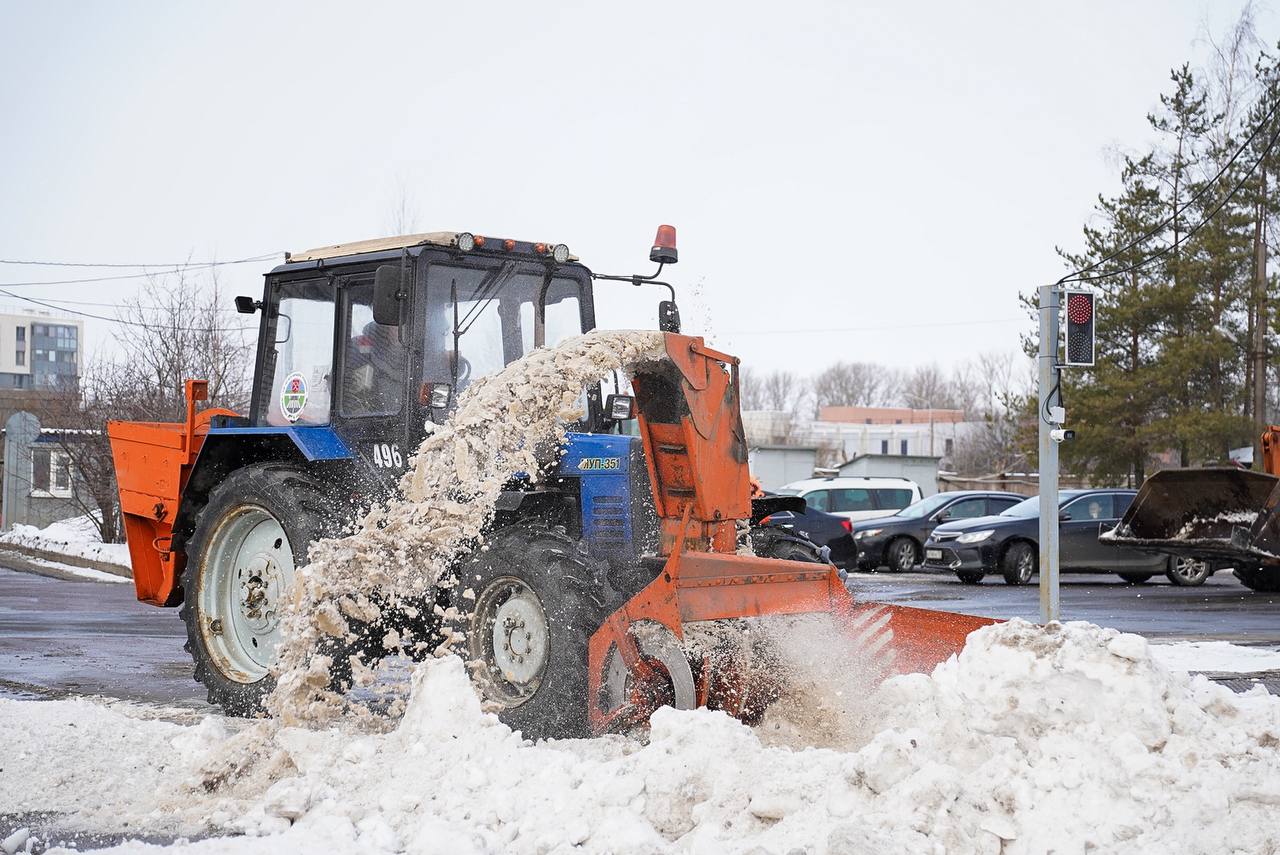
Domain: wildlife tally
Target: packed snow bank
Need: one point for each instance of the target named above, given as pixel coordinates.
(1065, 739)
(1215, 656)
(77, 536)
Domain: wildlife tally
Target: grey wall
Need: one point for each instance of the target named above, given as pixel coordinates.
(20, 507)
(922, 470)
(774, 467)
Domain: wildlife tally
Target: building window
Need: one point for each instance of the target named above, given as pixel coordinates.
(904, 447)
(39, 329)
(50, 473)
(884, 446)
(948, 446)
(22, 333)
(20, 358)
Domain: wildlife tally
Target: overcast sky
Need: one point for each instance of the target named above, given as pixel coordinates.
(850, 180)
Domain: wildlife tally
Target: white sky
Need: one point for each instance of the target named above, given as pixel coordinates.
(860, 181)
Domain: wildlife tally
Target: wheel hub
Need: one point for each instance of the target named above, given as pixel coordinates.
(510, 621)
(244, 579)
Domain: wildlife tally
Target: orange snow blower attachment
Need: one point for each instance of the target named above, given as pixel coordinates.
(642, 656)
(152, 461)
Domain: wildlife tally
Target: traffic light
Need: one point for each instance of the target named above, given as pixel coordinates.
(1079, 319)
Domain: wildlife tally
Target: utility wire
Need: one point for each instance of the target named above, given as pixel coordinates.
(262, 257)
(1078, 276)
(121, 321)
(205, 265)
(877, 327)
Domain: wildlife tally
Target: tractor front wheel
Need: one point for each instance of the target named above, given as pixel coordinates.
(249, 540)
(536, 606)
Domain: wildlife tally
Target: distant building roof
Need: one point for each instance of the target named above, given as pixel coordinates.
(888, 415)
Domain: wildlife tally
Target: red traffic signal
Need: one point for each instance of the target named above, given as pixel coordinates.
(1079, 320)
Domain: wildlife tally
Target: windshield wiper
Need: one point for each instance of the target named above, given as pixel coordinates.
(494, 282)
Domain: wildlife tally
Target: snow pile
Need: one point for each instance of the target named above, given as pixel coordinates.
(77, 536)
(1215, 656)
(377, 583)
(1066, 739)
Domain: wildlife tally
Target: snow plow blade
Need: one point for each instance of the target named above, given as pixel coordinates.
(699, 633)
(1216, 514)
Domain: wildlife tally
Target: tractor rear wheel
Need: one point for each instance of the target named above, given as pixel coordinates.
(537, 603)
(249, 540)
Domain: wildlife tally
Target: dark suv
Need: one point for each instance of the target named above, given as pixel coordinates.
(898, 540)
(1009, 543)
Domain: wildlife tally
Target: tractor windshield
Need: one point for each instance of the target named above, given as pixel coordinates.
(481, 319)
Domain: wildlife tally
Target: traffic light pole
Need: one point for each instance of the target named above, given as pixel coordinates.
(1050, 396)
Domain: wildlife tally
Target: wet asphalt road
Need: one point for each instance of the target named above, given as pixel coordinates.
(91, 638)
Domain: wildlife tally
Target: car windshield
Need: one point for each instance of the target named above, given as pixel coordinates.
(1031, 507)
(924, 507)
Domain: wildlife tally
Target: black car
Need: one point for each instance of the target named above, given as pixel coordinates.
(898, 540)
(1008, 543)
(824, 529)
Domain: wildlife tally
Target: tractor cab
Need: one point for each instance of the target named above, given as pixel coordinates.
(365, 345)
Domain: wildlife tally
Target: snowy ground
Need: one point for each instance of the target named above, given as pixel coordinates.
(76, 537)
(1070, 739)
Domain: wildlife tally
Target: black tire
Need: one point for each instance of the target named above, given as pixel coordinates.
(1261, 579)
(769, 542)
(1136, 578)
(902, 554)
(1018, 563)
(306, 512)
(550, 566)
(1187, 572)
(970, 577)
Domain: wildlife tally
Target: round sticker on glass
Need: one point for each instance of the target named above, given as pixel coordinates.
(293, 396)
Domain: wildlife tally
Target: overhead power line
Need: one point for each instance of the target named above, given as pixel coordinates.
(262, 257)
(1079, 275)
(170, 269)
(877, 327)
(121, 321)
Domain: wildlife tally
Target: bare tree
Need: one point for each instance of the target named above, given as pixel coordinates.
(853, 384)
(403, 216)
(1000, 384)
(928, 387)
(172, 331)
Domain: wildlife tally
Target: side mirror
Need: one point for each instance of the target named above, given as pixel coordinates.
(668, 316)
(388, 295)
(1064, 516)
(247, 305)
(942, 516)
(620, 408)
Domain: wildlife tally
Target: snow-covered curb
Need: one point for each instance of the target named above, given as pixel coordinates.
(73, 544)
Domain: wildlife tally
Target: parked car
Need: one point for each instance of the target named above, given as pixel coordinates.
(1009, 543)
(898, 540)
(855, 498)
(824, 529)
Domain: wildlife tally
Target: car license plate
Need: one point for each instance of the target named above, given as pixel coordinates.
(933, 554)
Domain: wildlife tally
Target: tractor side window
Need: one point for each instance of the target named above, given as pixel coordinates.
(373, 359)
(302, 354)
